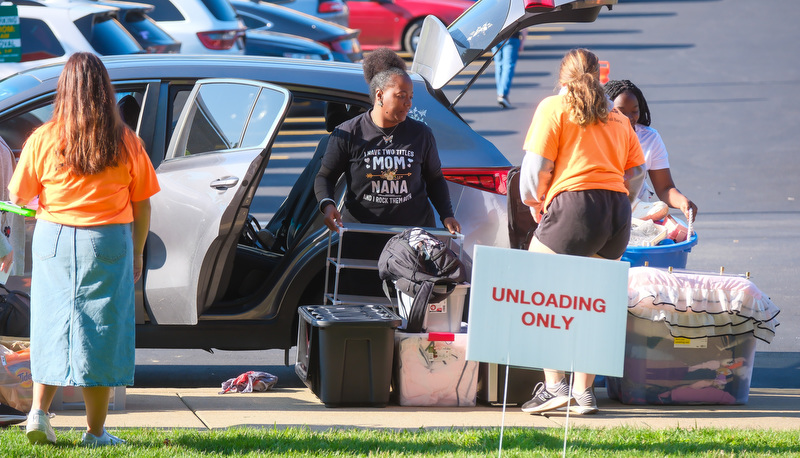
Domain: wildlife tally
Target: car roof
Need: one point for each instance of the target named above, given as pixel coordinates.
(55, 10)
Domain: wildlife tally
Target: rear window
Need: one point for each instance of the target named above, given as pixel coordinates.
(38, 41)
(145, 30)
(164, 11)
(107, 36)
(472, 33)
(221, 9)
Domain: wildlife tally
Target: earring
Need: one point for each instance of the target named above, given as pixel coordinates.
(380, 103)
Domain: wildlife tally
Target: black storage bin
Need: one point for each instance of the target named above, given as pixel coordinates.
(345, 353)
(521, 382)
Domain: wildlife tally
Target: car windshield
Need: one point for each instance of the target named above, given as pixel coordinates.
(474, 32)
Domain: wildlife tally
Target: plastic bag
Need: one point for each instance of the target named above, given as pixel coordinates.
(16, 383)
(249, 382)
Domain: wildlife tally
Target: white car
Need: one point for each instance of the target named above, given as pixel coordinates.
(202, 26)
(52, 33)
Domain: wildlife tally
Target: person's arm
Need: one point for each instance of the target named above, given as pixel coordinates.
(6, 254)
(668, 193)
(332, 167)
(535, 178)
(141, 226)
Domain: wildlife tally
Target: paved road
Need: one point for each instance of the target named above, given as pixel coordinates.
(721, 81)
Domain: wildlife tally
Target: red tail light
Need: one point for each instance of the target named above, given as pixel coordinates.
(533, 5)
(219, 40)
(330, 7)
(486, 179)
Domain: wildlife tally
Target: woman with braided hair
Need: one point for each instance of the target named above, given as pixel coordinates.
(390, 161)
(629, 100)
(581, 163)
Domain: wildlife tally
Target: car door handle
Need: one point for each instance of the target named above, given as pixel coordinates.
(224, 183)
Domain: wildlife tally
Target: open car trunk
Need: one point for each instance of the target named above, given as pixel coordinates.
(445, 51)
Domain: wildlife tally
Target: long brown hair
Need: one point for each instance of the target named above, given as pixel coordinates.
(86, 118)
(585, 98)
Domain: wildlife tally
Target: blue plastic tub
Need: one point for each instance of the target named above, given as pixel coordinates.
(672, 255)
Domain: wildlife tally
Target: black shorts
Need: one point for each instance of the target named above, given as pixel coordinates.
(585, 223)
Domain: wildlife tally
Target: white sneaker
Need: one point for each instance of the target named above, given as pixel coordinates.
(38, 428)
(91, 440)
(585, 403)
(503, 102)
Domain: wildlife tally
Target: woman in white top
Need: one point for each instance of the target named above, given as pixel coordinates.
(629, 100)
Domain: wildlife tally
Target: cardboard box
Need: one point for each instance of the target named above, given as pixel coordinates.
(431, 370)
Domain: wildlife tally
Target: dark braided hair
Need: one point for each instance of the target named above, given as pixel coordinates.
(614, 88)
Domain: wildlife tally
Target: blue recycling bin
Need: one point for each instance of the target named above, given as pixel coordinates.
(672, 255)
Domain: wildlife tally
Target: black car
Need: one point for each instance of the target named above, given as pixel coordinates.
(342, 41)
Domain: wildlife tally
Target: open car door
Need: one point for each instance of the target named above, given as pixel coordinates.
(214, 163)
(444, 51)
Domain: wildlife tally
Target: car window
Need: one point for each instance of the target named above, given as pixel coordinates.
(252, 22)
(164, 11)
(216, 124)
(16, 129)
(144, 29)
(107, 36)
(472, 33)
(221, 9)
(38, 41)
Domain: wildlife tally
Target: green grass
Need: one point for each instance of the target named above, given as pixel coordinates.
(583, 442)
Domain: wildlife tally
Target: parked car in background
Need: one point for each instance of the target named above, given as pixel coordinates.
(202, 26)
(51, 33)
(134, 17)
(396, 24)
(228, 148)
(335, 11)
(258, 15)
(263, 43)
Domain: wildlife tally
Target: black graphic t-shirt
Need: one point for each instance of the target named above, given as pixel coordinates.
(390, 173)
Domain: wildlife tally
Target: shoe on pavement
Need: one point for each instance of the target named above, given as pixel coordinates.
(38, 429)
(544, 400)
(503, 102)
(91, 440)
(584, 403)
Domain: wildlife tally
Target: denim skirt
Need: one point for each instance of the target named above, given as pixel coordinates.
(83, 322)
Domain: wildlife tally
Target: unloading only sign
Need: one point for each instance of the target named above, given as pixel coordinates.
(10, 42)
(548, 311)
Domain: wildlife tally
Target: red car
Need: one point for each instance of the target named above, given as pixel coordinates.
(396, 24)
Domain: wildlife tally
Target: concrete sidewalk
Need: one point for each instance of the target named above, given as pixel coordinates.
(204, 408)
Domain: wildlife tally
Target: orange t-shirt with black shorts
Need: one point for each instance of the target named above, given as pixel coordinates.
(89, 200)
(586, 207)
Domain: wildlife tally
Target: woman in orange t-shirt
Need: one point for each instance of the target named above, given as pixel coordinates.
(94, 181)
(581, 162)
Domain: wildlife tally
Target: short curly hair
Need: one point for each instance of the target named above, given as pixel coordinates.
(380, 60)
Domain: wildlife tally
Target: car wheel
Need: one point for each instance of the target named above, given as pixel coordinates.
(411, 37)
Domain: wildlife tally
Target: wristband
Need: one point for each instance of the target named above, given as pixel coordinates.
(324, 203)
